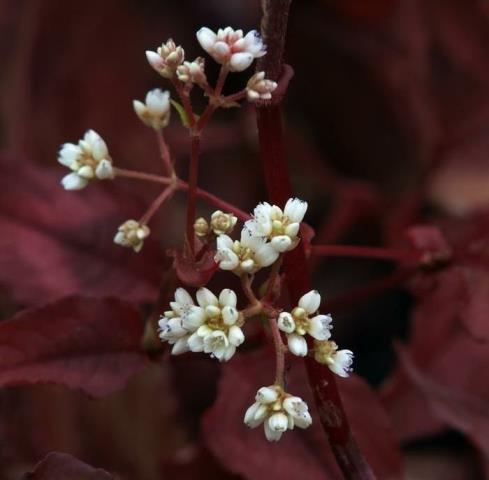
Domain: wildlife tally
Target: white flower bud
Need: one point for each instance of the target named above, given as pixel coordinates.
(156, 112)
(286, 322)
(166, 59)
(192, 72)
(266, 395)
(205, 297)
(132, 234)
(259, 88)
(320, 327)
(310, 301)
(297, 345)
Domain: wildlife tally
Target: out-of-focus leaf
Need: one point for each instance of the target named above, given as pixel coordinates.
(81, 343)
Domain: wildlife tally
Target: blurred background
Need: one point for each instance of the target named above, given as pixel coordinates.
(387, 127)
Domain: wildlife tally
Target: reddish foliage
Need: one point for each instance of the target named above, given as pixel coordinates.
(194, 272)
(60, 243)
(247, 452)
(79, 342)
(60, 466)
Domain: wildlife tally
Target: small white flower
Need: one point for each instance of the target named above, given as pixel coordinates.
(259, 88)
(280, 227)
(166, 59)
(222, 223)
(278, 411)
(247, 255)
(302, 320)
(230, 48)
(131, 234)
(156, 111)
(338, 361)
(89, 159)
(192, 72)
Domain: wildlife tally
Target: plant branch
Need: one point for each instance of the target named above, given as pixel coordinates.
(165, 153)
(157, 203)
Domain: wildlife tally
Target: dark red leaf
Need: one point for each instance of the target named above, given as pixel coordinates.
(300, 453)
(61, 466)
(60, 243)
(81, 343)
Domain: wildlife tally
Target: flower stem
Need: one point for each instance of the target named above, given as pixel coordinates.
(165, 153)
(157, 203)
(279, 352)
(378, 253)
(192, 190)
(269, 120)
(135, 175)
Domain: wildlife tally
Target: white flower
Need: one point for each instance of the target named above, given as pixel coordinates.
(166, 59)
(338, 361)
(222, 223)
(156, 111)
(131, 234)
(280, 227)
(88, 160)
(278, 411)
(259, 88)
(192, 72)
(171, 323)
(230, 48)
(247, 255)
(304, 320)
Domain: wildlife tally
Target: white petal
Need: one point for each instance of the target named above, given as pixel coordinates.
(229, 353)
(266, 395)
(73, 182)
(297, 345)
(157, 101)
(229, 315)
(104, 170)
(254, 44)
(295, 209)
(343, 360)
(224, 242)
(266, 255)
(271, 435)
(193, 318)
(310, 301)
(281, 243)
(286, 322)
(226, 259)
(99, 149)
(278, 422)
(205, 297)
(139, 108)
(204, 331)
(183, 297)
(154, 60)
(249, 418)
(228, 297)
(320, 327)
(292, 230)
(69, 154)
(236, 336)
(206, 37)
(86, 172)
(180, 346)
(240, 61)
(195, 343)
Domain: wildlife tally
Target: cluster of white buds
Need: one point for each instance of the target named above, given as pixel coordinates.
(192, 72)
(259, 88)
(89, 159)
(212, 326)
(156, 111)
(280, 227)
(221, 223)
(278, 411)
(304, 319)
(338, 361)
(166, 59)
(230, 48)
(131, 234)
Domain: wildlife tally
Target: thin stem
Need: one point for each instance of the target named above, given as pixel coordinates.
(165, 153)
(279, 352)
(272, 278)
(246, 281)
(378, 253)
(185, 99)
(158, 201)
(183, 186)
(192, 188)
(234, 97)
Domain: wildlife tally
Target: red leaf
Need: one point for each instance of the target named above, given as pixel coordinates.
(78, 342)
(191, 272)
(61, 466)
(60, 243)
(300, 453)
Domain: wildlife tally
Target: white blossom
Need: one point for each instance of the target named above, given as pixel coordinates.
(171, 324)
(230, 48)
(303, 320)
(166, 59)
(131, 234)
(222, 223)
(155, 112)
(280, 227)
(259, 88)
(88, 160)
(338, 361)
(248, 255)
(278, 411)
(192, 72)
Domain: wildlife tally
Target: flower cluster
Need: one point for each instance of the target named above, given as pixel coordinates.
(212, 326)
(131, 234)
(155, 112)
(338, 361)
(88, 160)
(278, 411)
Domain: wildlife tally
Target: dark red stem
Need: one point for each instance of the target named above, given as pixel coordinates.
(269, 119)
(192, 190)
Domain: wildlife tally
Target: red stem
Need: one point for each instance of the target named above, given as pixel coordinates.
(279, 352)
(192, 187)
(269, 119)
(164, 152)
(379, 253)
(157, 203)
